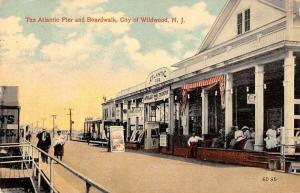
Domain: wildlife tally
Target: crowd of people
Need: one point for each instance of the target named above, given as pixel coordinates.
(44, 143)
(241, 138)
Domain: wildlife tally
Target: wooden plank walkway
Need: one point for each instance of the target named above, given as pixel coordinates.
(8, 173)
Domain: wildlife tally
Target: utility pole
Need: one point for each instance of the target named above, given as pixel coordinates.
(71, 122)
(53, 123)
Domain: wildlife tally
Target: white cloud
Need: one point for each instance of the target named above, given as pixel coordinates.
(15, 46)
(73, 51)
(177, 46)
(11, 24)
(194, 16)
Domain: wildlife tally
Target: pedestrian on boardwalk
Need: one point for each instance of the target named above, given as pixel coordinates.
(193, 143)
(88, 137)
(28, 134)
(44, 143)
(59, 142)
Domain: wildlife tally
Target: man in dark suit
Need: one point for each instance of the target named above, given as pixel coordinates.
(44, 143)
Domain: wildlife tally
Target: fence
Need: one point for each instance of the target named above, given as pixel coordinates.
(30, 159)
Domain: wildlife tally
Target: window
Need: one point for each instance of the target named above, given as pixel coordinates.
(239, 23)
(247, 20)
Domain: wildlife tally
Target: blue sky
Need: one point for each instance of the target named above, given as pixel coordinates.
(58, 65)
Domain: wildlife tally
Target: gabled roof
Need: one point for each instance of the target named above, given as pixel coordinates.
(225, 14)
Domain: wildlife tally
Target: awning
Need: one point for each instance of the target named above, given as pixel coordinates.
(203, 83)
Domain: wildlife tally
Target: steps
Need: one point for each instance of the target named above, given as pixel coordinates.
(261, 161)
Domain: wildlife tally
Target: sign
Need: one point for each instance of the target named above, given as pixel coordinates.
(163, 140)
(118, 113)
(250, 98)
(8, 116)
(117, 143)
(158, 76)
(158, 96)
(136, 112)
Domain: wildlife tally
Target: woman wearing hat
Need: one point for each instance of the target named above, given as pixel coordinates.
(59, 142)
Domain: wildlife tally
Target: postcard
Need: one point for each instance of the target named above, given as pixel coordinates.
(195, 96)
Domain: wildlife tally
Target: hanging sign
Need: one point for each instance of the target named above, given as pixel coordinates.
(250, 98)
(158, 76)
(117, 143)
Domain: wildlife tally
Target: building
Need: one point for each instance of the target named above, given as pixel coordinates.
(246, 72)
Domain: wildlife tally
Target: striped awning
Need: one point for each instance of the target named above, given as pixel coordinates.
(203, 83)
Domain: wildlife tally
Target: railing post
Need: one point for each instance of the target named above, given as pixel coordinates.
(51, 175)
(87, 187)
(39, 170)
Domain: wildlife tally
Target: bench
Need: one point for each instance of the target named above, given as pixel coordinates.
(99, 142)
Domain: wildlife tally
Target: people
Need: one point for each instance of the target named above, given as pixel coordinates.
(44, 143)
(230, 141)
(192, 143)
(239, 138)
(219, 141)
(28, 134)
(28, 137)
(271, 138)
(59, 142)
(88, 137)
(250, 136)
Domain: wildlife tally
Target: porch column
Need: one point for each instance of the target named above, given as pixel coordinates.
(228, 103)
(171, 114)
(289, 83)
(185, 119)
(259, 107)
(204, 96)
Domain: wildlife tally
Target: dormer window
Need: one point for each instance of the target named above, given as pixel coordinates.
(247, 20)
(243, 21)
(240, 23)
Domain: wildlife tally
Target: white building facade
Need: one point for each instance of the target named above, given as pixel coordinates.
(247, 72)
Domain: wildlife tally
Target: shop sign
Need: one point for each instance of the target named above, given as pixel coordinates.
(158, 96)
(250, 98)
(117, 143)
(136, 112)
(163, 140)
(158, 76)
(118, 113)
(8, 117)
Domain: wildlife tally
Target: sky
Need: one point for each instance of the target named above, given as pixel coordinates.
(59, 65)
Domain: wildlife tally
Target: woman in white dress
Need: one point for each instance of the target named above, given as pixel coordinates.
(59, 142)
(271, 139)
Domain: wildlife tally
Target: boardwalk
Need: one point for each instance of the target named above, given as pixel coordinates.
(153, 173)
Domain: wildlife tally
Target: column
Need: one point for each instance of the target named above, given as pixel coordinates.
(289, 81)
(259, 107)
(228, 103)
(204, 96)
(185, 119)
(171, 113)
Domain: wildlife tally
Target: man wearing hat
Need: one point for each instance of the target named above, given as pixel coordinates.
(44, 143)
